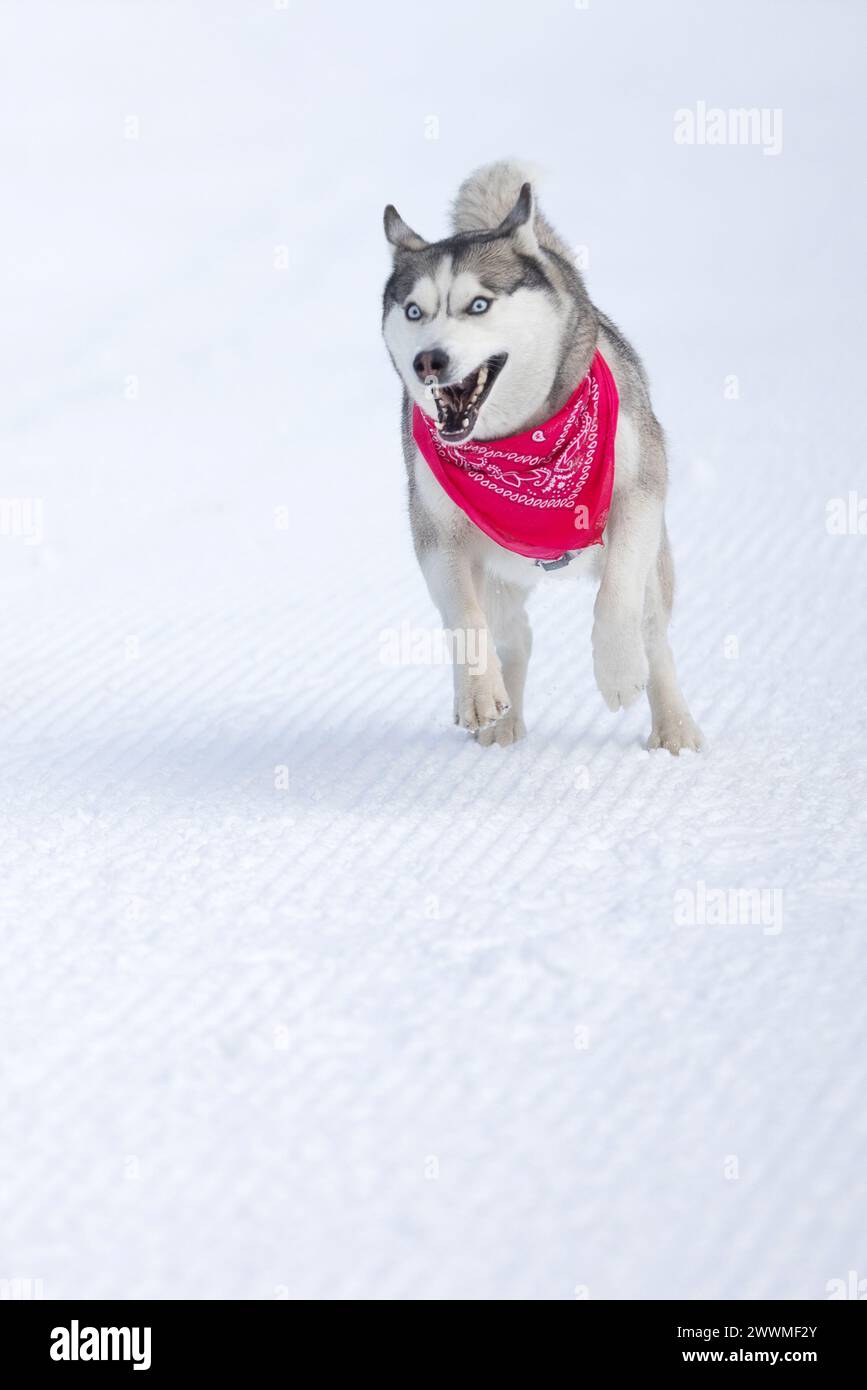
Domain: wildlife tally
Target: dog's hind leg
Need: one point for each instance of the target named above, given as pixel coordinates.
(673, 726)
(505, 605)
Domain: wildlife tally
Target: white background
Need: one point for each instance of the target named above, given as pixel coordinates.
(321, 1040)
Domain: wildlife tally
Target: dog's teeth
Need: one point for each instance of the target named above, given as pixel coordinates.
(465, 422)
(483, 375)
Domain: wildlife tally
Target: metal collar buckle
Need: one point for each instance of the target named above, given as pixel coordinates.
(557, 564)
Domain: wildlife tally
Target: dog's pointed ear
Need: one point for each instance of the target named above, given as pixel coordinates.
(398, 234)
(520, 222)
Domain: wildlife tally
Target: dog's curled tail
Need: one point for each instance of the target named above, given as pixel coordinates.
(488, 195)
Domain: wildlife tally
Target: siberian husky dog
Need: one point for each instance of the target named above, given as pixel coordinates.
(491, 330)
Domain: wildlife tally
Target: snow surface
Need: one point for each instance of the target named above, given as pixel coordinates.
(411, 1019)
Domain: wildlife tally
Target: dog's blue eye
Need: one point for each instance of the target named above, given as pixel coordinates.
(480, 305)
(413, 311)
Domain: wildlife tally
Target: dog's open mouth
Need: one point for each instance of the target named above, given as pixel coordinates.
(458, 405)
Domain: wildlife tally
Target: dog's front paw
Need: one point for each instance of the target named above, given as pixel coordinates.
(619, 663)
(509, 728)
(676, 731)
(480, 697)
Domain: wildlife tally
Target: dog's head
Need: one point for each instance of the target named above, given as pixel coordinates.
(473, 324)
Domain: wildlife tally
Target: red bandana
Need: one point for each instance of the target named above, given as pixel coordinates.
(542, 493)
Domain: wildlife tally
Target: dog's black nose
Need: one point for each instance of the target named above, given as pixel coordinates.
(427, 364)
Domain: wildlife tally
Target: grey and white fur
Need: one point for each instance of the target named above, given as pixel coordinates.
(503, 293)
